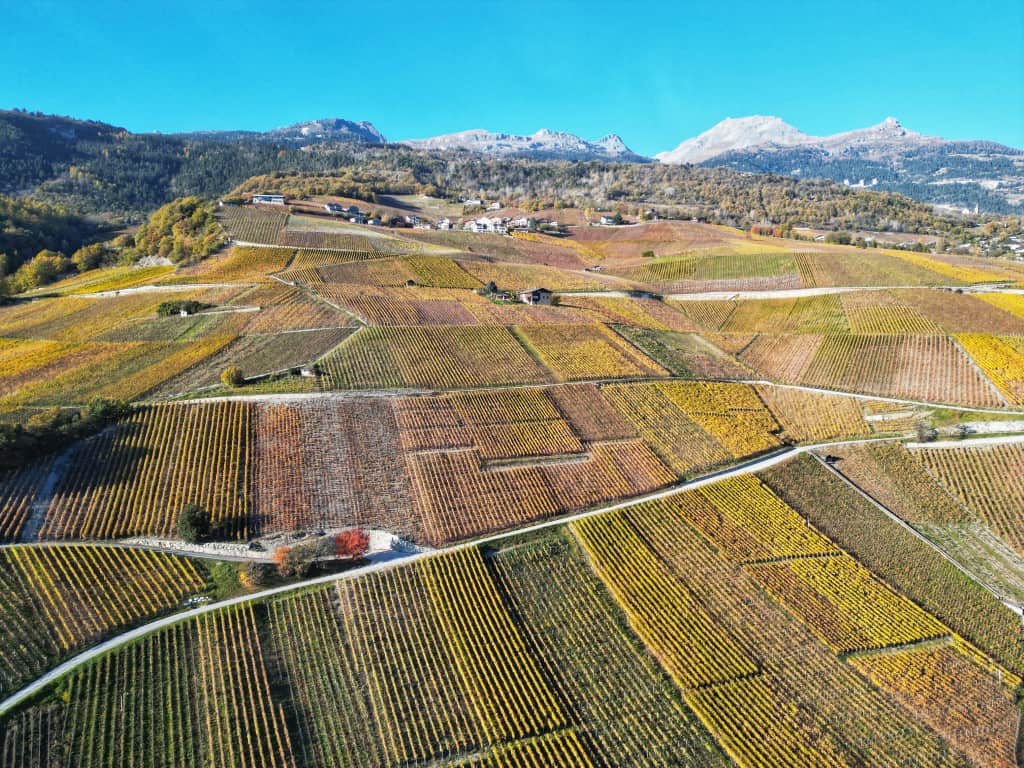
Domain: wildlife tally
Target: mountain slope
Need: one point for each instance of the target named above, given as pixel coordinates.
(887, 157)
(544, 144)
(735, 133)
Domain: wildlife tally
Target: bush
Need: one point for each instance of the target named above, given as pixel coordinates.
(169, 308)
(254, 574)
(842, 238)
(193, 523)
(233, 377)
(295, 561)
(54, 429)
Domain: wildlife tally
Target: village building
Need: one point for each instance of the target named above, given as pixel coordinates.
(541, 296)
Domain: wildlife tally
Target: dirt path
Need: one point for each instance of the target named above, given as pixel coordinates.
(41, 503)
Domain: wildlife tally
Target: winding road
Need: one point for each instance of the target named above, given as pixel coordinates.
(391, 560)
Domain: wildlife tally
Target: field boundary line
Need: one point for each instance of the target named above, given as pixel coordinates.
(911, 529)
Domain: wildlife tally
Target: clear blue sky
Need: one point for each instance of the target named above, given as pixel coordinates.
(655, 72)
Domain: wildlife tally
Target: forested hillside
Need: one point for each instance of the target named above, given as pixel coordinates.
(92, 167)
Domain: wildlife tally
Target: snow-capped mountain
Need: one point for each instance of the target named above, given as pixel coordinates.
(543, 144)
(330, 129)
(886, 157)
(765, 134)
(735, 133)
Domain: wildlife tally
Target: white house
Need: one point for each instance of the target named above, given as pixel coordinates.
(484, 224)
(444, 224)
(495, 206)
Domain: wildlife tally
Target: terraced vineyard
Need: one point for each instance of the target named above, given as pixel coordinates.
(599, 596)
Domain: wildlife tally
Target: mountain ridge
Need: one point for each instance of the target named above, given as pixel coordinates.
(544, 144)
(767, 132)
(322, 130)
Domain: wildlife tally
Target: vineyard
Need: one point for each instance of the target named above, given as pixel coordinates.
(736, 271)
(134, 478)
(637, 313)
(193, 694)
(345, 467)
(918, 367)
(695, 650)
(458, 498)
(986, 480)
(250, 224)
(240, 264)
(60, 599)
(805, 614)
(845, 605)
(903, 560)
(18, 490)
(837, 709)
(684, 354)
(813, 417)
(952, 694)
(1001, 360)
(570, 625)
(439, 357)
(112, 279)
(576, 352)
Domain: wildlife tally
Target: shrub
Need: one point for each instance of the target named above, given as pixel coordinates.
(232, 376)
(168, 308)
(294, 561)
(254, 574)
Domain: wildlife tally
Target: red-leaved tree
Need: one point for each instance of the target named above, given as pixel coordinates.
(351, 543)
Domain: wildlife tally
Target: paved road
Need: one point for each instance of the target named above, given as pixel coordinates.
(390, 560)
(174, 288)
(758, 382)
(968, 442)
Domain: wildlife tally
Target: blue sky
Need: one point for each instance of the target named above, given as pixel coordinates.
(655, 72)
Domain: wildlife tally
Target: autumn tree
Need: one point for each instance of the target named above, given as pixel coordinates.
(232, 376)
(254, 574)
(352, 543)
(294, 561)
